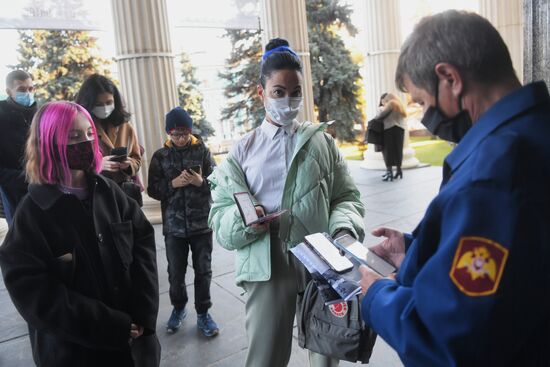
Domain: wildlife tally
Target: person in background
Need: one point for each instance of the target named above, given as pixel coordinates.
(79, 261)
(177, 177)
(283, 164)
(473, 286)
(393, 114)
(101, 98)
(16, 114)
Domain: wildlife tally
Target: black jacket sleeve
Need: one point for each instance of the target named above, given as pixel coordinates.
(44, 300)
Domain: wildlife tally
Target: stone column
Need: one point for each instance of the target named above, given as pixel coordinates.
(287, 19)
(383, 42)
(146, 69)
(536, 33)
(146, 72)
(507, 18)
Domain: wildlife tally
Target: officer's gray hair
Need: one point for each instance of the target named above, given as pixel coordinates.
(463, 39)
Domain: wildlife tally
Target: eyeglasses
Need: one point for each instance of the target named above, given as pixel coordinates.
(178, 136)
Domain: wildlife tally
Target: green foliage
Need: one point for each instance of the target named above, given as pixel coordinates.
(336, 79)
(242, 73)
(191, 99)
(430, 150)
(59, 61)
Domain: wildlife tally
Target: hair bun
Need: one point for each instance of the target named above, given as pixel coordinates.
(276, 42)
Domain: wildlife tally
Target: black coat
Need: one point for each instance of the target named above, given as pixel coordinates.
(15, 121)
(80, 276)
(184, 209)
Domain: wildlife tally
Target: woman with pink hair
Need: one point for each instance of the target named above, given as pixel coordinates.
(79, 261)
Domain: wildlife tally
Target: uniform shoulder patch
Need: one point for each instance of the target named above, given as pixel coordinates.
(478, 266)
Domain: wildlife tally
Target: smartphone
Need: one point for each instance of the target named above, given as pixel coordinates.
(329, 252)
(120, 151)
(362, 254)
(119, 154)
(248, 211)
(118, 158)
(195, 168)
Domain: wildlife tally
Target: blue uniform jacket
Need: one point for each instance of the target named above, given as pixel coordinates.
(474, 287)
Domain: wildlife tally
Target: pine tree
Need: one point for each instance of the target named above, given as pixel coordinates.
(336, 78)
(242, 73)
(191, 99)
(59, 61)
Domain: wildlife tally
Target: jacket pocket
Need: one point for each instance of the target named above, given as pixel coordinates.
(242, 262)
(123, 237)
(65, 267)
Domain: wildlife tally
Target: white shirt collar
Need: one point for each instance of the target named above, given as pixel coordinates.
(271, 130)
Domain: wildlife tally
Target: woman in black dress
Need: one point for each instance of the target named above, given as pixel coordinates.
(393, 114)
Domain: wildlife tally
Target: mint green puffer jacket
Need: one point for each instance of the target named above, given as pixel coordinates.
(319, 194)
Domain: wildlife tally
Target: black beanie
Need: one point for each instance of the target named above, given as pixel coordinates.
(178, 117)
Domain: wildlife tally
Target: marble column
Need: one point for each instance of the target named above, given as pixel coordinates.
(383, 42)
(287, 19)
(146, 69)
(507, 18)
(146, 72)
(536, 36)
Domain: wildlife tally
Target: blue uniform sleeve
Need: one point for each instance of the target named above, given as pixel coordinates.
(445, 316)
(408, 237)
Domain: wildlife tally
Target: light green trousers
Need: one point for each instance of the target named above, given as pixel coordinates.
(270, 311)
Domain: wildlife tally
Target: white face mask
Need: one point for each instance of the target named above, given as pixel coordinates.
(283, 110)
(102, 112)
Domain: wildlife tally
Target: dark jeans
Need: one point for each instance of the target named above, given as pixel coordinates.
(177, 251)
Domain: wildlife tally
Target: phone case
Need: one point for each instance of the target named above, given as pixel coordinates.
(120, 151)
(324, 247)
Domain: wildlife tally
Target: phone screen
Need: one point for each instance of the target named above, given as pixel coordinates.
(365, 256)
(329, 252)
(248, 211)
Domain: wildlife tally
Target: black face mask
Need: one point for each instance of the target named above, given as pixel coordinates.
(451, 129)
(80, 156)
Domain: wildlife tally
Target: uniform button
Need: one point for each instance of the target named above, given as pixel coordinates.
(116, 289)
(100, 237)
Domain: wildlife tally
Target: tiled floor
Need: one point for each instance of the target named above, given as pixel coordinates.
(399, 204)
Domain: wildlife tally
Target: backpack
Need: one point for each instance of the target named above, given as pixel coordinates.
(334, 330)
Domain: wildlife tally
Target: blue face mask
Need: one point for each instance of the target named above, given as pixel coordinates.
(24, 98)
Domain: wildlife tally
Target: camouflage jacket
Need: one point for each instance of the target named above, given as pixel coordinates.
(184, 209)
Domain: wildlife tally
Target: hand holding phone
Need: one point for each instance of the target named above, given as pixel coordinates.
(392, 248)
(253, 214)
(119, 154)
(196, 168)
(118, 158)
(362, 254)
(193, 175)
